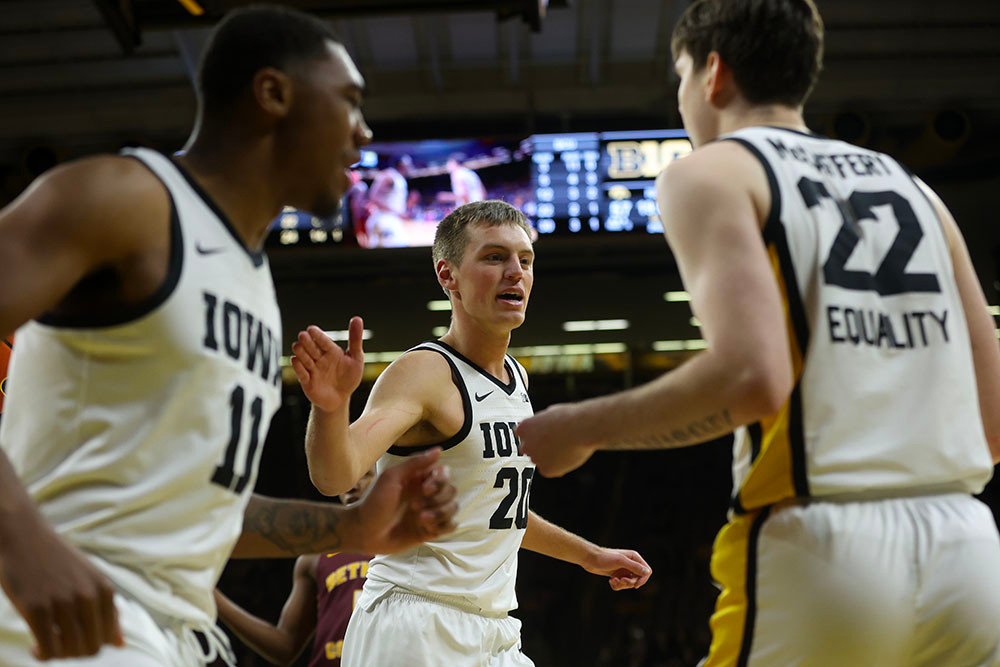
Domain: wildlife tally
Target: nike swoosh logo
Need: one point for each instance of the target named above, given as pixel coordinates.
(206, 251)
(480, 398)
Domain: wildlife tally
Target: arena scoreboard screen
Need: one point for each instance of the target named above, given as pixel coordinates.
(566, 185)
(598, 182)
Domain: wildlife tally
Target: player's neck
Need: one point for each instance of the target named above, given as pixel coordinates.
(486, 350)
(237, 180)
(775, 115)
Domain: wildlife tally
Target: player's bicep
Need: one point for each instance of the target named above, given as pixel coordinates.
(712, 226)
(403, 397)
(67, 223)
(41, 256)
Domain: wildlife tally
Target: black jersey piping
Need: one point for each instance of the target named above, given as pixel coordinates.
(507, 388)
(755, 431)
(8, 343)
(131, 312)
(463, 432)
(801, 133)
(520, 372)
(256, 257)
(774, 233)
(753, 546)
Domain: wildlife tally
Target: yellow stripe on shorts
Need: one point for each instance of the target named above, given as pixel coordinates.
(734, 568)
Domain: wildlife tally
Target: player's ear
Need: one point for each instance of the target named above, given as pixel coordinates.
(718, 79)
(272, 90)
(445, 276)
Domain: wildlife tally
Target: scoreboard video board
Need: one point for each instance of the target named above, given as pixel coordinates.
(595, 182)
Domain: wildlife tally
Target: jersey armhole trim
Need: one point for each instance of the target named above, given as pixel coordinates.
(773, 215)
(520, 371)
(131, 312)
(463, 432)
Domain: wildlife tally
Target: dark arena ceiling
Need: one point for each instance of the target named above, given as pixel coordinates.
(78, 75)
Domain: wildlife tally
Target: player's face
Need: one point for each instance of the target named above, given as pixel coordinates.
(326, 131)
(695, 111)
(496, 275)
(358, 490)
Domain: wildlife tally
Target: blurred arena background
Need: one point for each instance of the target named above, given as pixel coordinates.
(493, 81)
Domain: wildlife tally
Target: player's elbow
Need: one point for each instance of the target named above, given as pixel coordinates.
(762, 388)
(328, 484)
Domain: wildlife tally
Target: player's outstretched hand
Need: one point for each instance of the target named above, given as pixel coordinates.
(408, 504)
(553, 441)
(329, 374)
(67, 603)
(623, 567)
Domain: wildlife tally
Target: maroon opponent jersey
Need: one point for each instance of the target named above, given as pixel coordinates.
(339, 578)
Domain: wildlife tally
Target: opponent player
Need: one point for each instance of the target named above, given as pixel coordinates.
(6, 346)
(325, 588)
(142, 392)
(447, 603)
(466, 186)
(849, 338)
(387, 199)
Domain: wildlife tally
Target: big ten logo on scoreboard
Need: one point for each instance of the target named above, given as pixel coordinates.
(643, 159)
(633, 162)
(601, 181)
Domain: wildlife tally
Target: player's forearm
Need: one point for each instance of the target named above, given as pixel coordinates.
(264, 638)
(275, 528)
(16, 506)
(333, 462)
(703, 399)
(548, 539)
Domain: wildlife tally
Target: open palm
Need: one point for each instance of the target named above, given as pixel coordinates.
(329, 374)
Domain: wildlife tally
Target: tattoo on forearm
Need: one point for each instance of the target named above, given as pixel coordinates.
(699, 430)
(295, 527)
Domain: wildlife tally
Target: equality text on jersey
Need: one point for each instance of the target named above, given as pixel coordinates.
(241, 336)
(901, 331)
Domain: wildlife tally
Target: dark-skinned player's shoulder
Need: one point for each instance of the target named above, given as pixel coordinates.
(111, 203)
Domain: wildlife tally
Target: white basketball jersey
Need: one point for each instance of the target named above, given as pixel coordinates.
(476, 565)
(139, 437)
(885, 399)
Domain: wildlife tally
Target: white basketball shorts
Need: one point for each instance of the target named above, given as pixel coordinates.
(417, 631)
(887, 583)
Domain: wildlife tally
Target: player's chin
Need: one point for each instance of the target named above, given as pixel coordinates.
(515, 319)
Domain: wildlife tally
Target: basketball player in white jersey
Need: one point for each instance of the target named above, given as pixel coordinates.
(848, 338)
(447, 602)
(142, 388)
(387, 200)
(466, 186)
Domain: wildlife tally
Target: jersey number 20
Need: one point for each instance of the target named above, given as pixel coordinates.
(891, 276)
(509, 477)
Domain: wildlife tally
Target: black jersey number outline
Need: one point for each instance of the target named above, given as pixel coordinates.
(508, 477)
(891, 276)
(225, 473)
